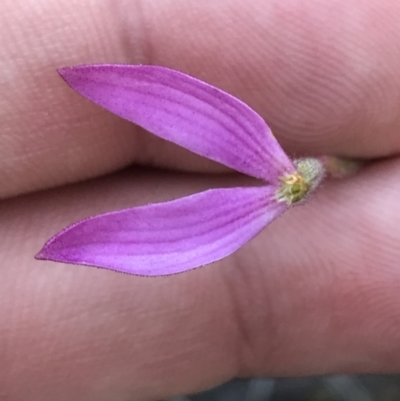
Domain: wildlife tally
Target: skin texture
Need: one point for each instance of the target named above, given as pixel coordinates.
(316, 292)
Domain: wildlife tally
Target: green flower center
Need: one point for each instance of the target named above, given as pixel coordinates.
(296, 186)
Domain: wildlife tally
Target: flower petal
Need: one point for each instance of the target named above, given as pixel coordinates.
(186, 111)
(169, 237)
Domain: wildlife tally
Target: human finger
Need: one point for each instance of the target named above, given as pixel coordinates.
(324, 76)
(314, 293)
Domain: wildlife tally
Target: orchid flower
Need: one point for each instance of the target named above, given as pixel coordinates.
(172, 237)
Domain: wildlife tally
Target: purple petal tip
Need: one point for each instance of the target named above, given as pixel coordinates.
(42, 254)
(39, 256)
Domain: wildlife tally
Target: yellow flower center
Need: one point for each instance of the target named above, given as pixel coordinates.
(296, 186)
(293, 189)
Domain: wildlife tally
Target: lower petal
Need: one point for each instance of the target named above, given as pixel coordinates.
(170, 237)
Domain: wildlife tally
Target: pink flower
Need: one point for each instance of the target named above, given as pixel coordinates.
(176, 236)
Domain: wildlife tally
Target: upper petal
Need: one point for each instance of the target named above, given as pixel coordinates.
(186, 111)
(169, 237)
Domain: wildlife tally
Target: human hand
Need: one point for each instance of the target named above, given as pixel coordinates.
(317, 292)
